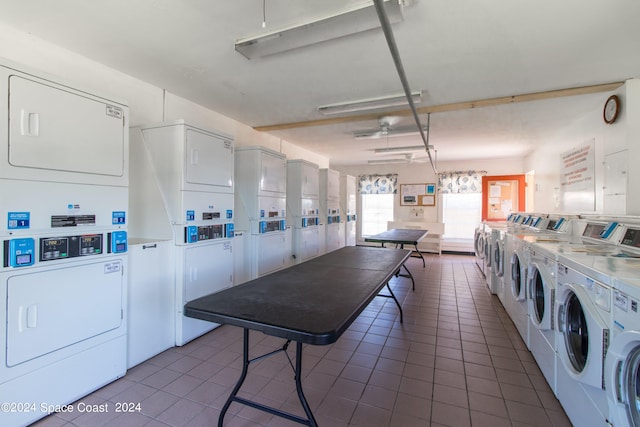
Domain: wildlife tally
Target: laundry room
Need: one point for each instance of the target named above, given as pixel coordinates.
(190, 209)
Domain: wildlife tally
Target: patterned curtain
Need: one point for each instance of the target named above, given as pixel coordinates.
(460, 182)
(378, 184)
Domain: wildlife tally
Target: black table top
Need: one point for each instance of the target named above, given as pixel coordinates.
(399, 235)
(313, 302)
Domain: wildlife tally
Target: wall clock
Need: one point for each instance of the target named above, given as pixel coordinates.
(611, 109)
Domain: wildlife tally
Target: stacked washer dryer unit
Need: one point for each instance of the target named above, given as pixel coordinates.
(64, 206)
(191, 170)
(330, 209)
(303, 192)
(542, 284)
(261, 199)
(348, 203)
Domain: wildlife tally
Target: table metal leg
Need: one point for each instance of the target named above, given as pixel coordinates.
(310, 420)
(303, 400)
(395, 299)
(420, 256)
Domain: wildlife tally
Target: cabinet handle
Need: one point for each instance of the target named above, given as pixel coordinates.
(150, 246)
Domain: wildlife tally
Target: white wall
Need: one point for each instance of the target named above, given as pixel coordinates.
(620, 137)
(147, 103)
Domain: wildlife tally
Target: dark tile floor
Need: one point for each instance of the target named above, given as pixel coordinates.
(456, 361)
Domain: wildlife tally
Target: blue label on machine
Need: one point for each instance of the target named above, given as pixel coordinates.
(118, 218)
(608, 230)
(261, 213)
(229, 230)
(191, 215)
(21, 252)
(192, 234)
(118, 242)
(229, 214)
(559, 224)
(18, 220)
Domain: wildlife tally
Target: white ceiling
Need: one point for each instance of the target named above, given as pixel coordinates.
(454, 51)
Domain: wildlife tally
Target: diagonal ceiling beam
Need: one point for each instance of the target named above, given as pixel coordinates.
(456, 106)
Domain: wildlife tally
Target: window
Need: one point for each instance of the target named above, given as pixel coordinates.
(461, 212)
(377, 209)
(461, 203)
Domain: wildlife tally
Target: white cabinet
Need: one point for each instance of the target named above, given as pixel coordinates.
(151, 300)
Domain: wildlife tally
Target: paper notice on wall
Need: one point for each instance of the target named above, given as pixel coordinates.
(577, 178)
(495, 191)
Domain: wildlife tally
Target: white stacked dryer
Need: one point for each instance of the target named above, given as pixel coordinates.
(303, 193)
(330, 209)
(186, 188)
(64, 206)
(348, 204)
(261, 200)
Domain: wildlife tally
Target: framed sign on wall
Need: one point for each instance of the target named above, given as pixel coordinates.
(418, 194)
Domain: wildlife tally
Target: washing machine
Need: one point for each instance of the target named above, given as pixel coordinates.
(487, 266)
(622, 363)
(541, 288)
(498, 251)
(583, 317)
(479, 246)
(515, 286)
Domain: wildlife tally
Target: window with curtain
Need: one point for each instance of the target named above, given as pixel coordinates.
(461, 202)
(377, 196)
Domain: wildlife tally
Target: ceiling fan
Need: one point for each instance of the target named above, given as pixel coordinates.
(387, 129)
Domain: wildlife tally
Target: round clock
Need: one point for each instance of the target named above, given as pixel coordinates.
(611, 109)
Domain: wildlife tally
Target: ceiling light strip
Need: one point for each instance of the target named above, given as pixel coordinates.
(349, 21)
(369, 104)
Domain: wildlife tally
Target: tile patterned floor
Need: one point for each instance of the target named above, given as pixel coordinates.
(456, 361)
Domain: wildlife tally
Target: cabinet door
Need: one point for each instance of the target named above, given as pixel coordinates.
(273, 177)
(60, 130)
(209, 160)
(51, 309)
(311, 182)
(208, 269)
(272, 253)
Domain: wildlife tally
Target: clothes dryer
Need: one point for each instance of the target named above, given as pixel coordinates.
(583, 307)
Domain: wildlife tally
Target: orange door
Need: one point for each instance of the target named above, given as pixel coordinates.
(502, 195)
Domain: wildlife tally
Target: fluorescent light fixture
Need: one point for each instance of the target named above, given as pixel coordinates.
(370, 103)
(393, 150)
(388, 132)
(387, 161)
(353, 20)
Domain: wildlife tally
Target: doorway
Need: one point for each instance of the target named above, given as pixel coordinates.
(502, 195)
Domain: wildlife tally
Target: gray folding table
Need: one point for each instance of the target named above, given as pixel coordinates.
(401, 237)
(310, 303)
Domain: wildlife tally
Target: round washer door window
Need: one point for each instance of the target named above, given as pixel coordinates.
(576, 334)
(631, 386)
(538, 295)
(515, 276)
